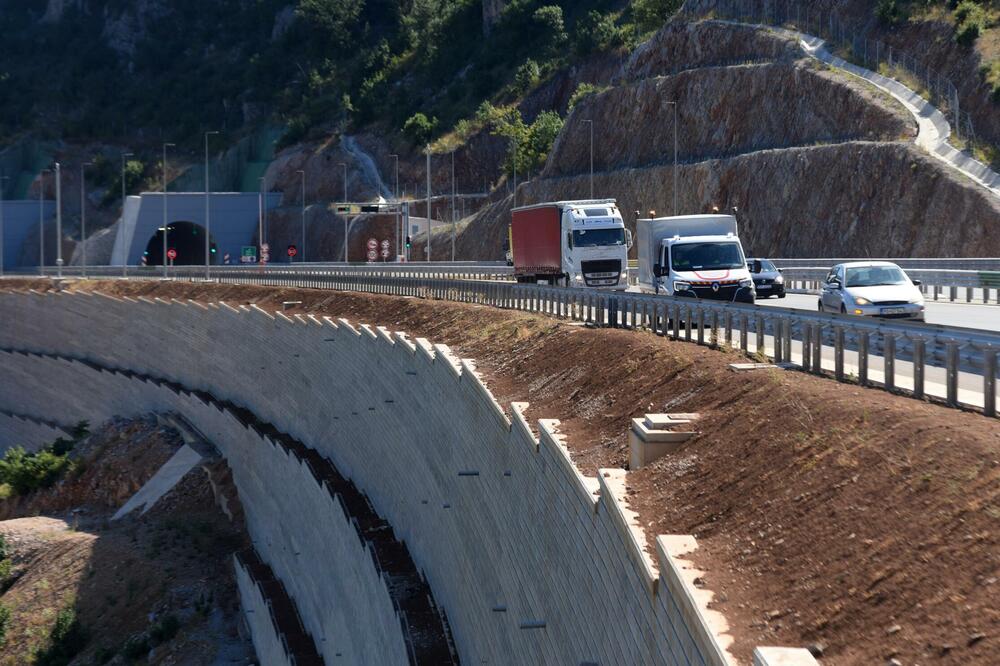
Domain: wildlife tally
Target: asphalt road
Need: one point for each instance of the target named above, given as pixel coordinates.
(986, 317)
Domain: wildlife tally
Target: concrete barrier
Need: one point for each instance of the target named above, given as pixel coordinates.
(28, 432)
(532, 561)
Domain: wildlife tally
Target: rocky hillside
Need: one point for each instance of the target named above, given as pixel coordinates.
(816, 163)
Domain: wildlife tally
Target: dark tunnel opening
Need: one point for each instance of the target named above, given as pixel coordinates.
(187, 239)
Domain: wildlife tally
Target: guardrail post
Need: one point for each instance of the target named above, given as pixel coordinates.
(817, 349)
(778, 341)
(714, 333)
(889, 341)
(863, 338)
(744, 325)
(968, 294)
(806, 346)
(759, 326)
(937, 291)
(688, 323)
(838, 352)
(787, 331)
(990, 381)
(953, 293)
(951, 376)
(677, 321)
(728, 319)
(701, 325)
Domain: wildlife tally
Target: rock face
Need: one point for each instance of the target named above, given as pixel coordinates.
(816, 164)
(724, 111)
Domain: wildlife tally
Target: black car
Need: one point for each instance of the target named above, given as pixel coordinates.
(767, 278)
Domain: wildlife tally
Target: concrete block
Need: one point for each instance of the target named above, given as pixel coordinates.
(778, 656)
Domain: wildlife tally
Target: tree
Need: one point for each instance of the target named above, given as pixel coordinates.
(529, 144)
(652, 14)
(527, 76)
(597, 32)
(418, 128)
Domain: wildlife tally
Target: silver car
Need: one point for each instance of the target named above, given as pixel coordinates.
(872, 289)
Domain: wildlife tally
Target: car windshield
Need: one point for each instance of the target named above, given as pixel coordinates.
(594, 237)
(765, 266)
(873, 276)
(706, 256)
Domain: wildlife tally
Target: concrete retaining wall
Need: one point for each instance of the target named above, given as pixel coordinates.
(28, 432)
(532, 562)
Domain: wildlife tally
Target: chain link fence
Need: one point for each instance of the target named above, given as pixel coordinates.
(851, 42)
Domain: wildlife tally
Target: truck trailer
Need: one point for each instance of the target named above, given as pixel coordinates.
(696, 256)
(572, 243)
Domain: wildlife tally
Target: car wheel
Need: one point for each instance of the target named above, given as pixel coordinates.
(781, 295)
(843, 309)
(820, 308)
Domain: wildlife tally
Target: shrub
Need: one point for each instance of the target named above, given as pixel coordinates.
(888, 12)
(4, 623)
(418, 128)
(597, 32)
(164, 629)
(3, 547)
(26, 472)
(66, 640)
(527, 76)
(971, 20)
(652, 14)
(583, 90)
(135, 647)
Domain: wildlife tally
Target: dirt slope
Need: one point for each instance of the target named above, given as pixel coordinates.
(827, 514)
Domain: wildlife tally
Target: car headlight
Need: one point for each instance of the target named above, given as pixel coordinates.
(681, 286)
(624, 274)
(746, 282)
(779, 280)
(861, 300)
(578, 277)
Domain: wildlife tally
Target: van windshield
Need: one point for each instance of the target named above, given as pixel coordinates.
(594, 237)
(706, 257)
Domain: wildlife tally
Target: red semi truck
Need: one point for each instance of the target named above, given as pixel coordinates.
(576, 243)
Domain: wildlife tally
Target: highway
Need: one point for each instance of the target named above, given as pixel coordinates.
(966, 315)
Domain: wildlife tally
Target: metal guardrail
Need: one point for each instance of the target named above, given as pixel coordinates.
(845, 347)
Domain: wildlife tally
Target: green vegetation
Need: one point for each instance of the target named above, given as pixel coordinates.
(971, 20)
(4, 623)
(583, 90)
(22, 472)
(529, 144)
(650, 15)
(66, 640)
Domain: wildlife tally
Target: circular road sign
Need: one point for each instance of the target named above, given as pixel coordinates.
(171, 254)
(385, 245)
(372, 244)
(265, 247)
(292, 250)
(372, 255)
(385, 253)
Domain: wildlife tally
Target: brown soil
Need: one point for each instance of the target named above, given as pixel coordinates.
(121, 579)
(862, 523)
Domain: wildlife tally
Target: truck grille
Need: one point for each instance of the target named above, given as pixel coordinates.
(601, 273)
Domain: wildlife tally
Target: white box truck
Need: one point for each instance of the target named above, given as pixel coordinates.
(697, 256)
(574, 243)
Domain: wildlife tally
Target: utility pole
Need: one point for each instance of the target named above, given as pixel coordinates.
(302, 173)
(591, 123)
(208, 219)
(165, 228)
(674, 104)
(2, 178)
(399, 218)
(125, 247)
(454, 223)
(83, 215)
(59, 259)
(41, 222)
(428, 203)
(346, 228)
(260, 226)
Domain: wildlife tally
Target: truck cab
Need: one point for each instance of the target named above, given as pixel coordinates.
(573, 243)
(694, 256)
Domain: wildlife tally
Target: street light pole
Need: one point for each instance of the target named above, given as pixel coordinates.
(303, 174)
(346, 227)
(59, 259)
(83, 215)
(428, 203)
(262, 221)
(454, 223)
(591, 123)
(124, 246)
(41, 221)
(674, 104)
(2, 178)
(399, 219)
(165, 228)
(208, 219)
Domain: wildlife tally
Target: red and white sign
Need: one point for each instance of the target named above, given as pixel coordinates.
(171, 254)
(265, 248)
(372, 255)
(292, 251)
(372, 244)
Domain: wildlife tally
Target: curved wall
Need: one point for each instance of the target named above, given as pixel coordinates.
(532, 562)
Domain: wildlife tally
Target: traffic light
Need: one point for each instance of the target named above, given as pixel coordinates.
(407, 242)
(212, 250)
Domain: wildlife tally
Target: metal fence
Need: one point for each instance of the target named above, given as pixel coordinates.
(955, 365)
(852, 42)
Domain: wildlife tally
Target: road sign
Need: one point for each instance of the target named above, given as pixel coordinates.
(225, 258)
(372, 255)
(385, 253)
(372, 244)
(265, 248)
(171, 254)
(292, 250)
(248, 254)
(385, 245)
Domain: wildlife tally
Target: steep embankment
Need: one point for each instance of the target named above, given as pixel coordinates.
(158, 585)
(816, 163)
(826, 517)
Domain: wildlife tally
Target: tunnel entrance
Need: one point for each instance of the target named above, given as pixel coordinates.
(187, 238)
